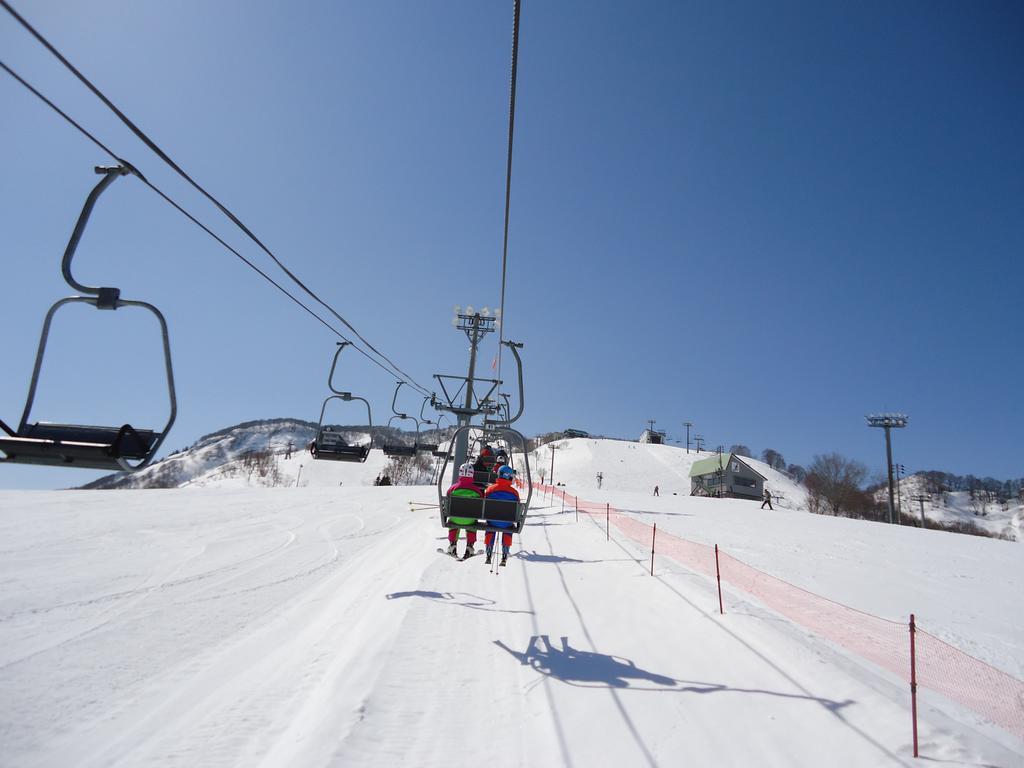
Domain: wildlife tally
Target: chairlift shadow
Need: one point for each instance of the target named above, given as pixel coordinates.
(536, 557)
(461, 599)
(587, 669)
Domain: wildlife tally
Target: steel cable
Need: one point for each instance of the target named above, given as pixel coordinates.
(163, 156)
(28, 86)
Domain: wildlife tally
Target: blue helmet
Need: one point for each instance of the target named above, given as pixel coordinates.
(506, 472)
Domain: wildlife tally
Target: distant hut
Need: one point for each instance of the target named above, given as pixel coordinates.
(653, 436)
(726, 475)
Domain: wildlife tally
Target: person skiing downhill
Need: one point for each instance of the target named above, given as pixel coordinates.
(502, 489)
(464, 487)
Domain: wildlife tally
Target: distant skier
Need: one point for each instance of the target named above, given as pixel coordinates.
(656, 491)
(767, 500)
(503, 489)
(465, 488)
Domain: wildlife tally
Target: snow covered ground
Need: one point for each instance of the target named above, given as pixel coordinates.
(999, 519)
(319, 626)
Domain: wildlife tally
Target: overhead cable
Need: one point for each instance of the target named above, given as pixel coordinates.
(234, 219)
(186, 214)
(508, 173)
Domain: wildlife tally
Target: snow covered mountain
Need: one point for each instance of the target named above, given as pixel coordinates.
(265, 453)
(971, 510)
(272, 453)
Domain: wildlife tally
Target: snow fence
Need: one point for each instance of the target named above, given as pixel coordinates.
(903, 648)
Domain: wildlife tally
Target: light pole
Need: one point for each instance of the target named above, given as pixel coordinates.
(888, 421)
(687, 424)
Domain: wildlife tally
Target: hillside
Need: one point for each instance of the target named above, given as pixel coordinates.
(256, 454)
(317, 627)
(637, 467)
(960, 507)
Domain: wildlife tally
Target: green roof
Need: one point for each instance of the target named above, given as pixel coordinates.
(707, 466)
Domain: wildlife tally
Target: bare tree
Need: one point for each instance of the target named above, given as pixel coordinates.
(741, 450)
(773, 459)
(409, 470)
(834, 484)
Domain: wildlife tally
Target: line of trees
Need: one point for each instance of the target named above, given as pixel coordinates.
(986, 487)
(773, 459)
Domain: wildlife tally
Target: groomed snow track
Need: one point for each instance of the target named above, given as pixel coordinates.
(319, 627)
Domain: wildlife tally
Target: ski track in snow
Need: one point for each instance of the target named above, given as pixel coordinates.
(319, 627)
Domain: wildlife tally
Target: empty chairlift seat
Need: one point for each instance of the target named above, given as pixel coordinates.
(87, 447)
(331, 446)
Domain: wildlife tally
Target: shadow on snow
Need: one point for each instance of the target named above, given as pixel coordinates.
(587, 669)
(462, 599)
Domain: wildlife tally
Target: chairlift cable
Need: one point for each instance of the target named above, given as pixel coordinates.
(163, 156)
(508, 173)
(185, 213)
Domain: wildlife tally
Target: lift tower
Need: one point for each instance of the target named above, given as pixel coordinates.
(468, 396)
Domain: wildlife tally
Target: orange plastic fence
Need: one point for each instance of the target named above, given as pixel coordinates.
(941, 667)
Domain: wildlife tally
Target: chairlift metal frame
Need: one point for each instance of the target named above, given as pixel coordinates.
(483, 509)
(76, 445)
(319, 448)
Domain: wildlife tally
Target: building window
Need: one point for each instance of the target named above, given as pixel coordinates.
(744, 481)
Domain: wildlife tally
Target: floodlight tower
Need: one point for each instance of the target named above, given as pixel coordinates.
(888, 421)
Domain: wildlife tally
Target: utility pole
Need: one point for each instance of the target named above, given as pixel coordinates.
(888, 421)
(922, 498)
(551, 477)
(687, 424)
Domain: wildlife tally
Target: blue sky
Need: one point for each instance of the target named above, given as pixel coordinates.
(767, 219)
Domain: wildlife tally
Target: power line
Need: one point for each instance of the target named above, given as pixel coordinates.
(508, 171)
(28, 86)
(234, 219)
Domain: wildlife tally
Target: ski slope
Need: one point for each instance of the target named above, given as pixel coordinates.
(319, 627)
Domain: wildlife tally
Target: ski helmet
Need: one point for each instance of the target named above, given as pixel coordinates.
(506, 472)
(466, 470)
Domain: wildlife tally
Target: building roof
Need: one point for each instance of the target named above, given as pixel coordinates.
(710, 465)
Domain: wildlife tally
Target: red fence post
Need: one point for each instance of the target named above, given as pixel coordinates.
(654, 535)
(913, 680)
(607, 522)
(718, 575)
